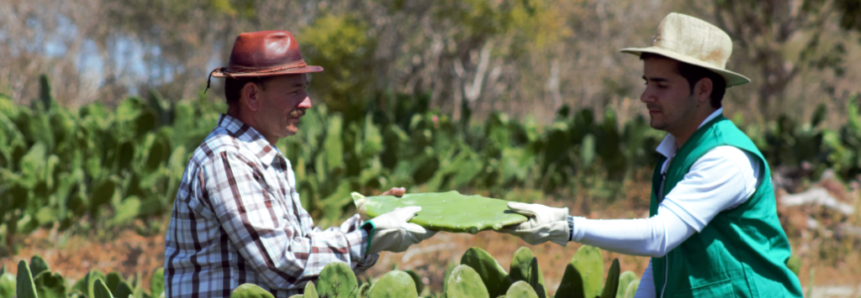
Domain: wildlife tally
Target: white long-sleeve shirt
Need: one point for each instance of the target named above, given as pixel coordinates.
(721, 179)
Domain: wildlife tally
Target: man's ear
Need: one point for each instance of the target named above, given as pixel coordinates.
(703, 89)
(250, 96)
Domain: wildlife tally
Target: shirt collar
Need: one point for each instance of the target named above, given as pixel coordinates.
(667, 148)
(252, 139)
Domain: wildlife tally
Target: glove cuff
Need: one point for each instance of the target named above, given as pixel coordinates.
(570, 228)
(370, 228)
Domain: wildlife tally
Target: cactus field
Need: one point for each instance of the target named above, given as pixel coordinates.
(90, 188)
(478, 275)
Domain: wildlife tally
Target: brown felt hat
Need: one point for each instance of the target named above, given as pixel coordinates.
(264, 53)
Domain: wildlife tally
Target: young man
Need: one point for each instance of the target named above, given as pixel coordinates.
(237, 217)
(713, 230)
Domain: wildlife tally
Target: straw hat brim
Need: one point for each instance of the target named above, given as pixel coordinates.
(732, 78)
(223, 73)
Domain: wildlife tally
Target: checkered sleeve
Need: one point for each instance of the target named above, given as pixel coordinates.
(270, 239)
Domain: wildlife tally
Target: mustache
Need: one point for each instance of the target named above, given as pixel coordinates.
(296, 113)
(653, 107)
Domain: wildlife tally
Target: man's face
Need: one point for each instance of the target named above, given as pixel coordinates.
(667, 96)
(282, 102)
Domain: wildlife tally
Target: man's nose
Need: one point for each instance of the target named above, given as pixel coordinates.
(306, 103)
(647, 96)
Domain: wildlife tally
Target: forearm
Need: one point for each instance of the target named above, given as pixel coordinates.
(653, 237)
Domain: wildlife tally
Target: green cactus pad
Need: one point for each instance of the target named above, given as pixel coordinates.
(250, 291)
(50, 285)
(420, 286)
(337, 280)
(631, 290)
(611, 284)
(584, 274)
(156, 282)
(444, 211)
(521, 289)
(100, 290)
(25, 287)
(464, 282)
(492, 275)
(524, 266)
(7, 284)
(310, 291)
(624, 280)
(38, 265)
(395, 284)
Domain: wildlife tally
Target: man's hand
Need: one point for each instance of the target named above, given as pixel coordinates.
(395, 191)
(393, 233)
(544, 224)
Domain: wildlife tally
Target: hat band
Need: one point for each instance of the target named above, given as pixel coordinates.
(265, 69)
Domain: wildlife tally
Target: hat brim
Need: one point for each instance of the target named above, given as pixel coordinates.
(732, 78)
(223, 73)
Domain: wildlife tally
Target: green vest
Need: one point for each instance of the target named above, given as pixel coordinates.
(743, 251)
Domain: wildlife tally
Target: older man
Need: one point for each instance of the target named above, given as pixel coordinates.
(237, 217)
(713, 230)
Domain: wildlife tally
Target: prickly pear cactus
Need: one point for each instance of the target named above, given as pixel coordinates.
(492, 275)
(310, 291)
(50, 285)
(445, 211)
(100, 290)
(363, 290)
(84, 286)
(611, 284)
(250, 291)
(25, 287)
(7, 285)
(631, 290)
(464, 282)
(420, 286)
(337, 280)
(624, 280)
(521, 289)
(584, 274)
(38, 265)
(395, 284)
(156, 282)
(524, 266)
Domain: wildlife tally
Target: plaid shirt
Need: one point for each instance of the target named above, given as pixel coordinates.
(237, 219)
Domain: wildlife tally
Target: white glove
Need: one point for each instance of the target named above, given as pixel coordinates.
(544, 224)
(393, 233)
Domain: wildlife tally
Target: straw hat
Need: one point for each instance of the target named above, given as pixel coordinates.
(693, 41)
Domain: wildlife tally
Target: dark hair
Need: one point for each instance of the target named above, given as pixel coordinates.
(233, 87)
(694, 74)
